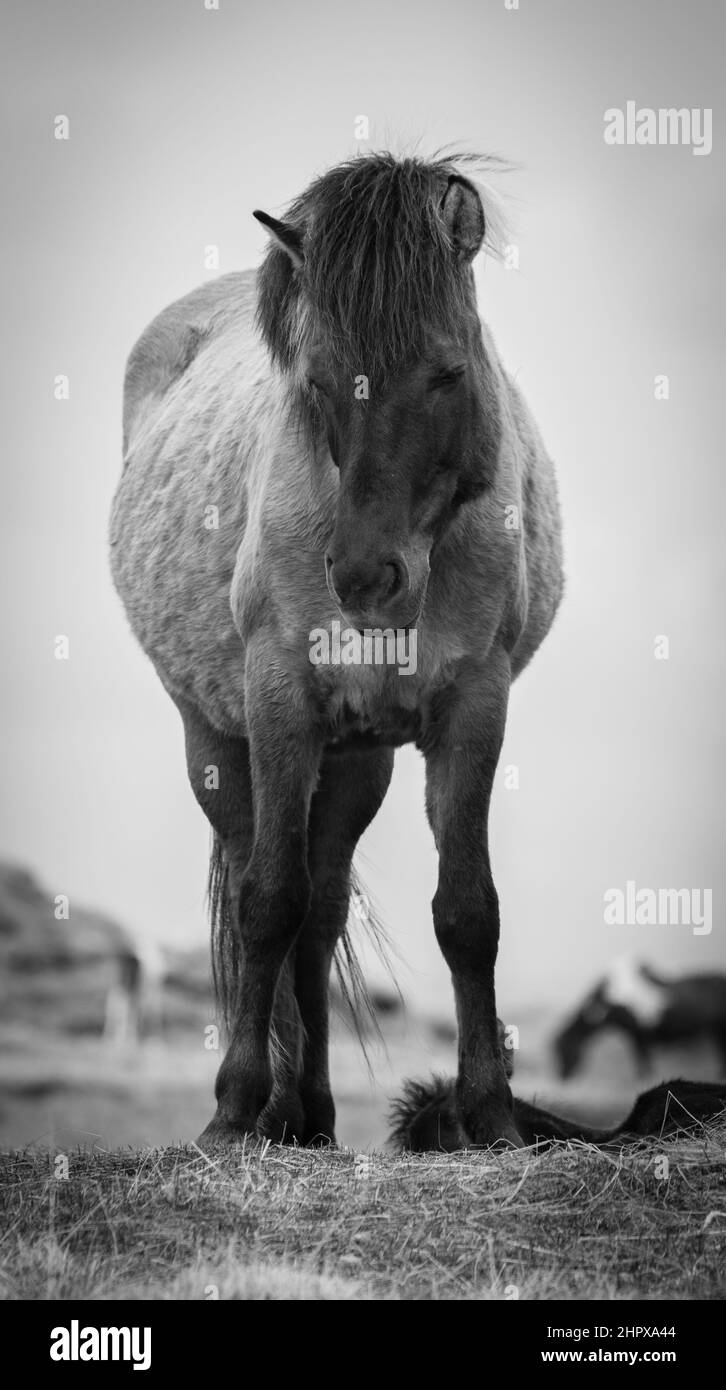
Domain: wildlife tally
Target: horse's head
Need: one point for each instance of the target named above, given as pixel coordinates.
(401, 460)
(367, 298)
(569, 1045)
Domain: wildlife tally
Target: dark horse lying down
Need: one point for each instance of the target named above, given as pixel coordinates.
(425, 1116)
(337, 437)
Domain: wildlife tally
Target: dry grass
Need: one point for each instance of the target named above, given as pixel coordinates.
(263, 1222)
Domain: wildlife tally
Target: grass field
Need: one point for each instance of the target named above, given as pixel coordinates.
(101, 1200)
(273, 1223)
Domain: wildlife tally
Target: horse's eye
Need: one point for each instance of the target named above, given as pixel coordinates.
(443, 381)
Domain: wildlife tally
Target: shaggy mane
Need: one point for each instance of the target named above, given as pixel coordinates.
(379, 267)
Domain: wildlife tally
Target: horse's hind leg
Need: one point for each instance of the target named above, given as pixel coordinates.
(219, 772)
(351, 789)
(461, 741)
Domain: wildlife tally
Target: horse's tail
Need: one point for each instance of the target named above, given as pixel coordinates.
(226, 954)
(348, 969)
(225, 937)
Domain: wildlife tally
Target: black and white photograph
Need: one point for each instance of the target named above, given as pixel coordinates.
(363, 536)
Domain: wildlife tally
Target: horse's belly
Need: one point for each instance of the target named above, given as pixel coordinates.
(173, 550)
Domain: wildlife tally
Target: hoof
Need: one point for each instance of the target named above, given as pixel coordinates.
(319, 1140)
(281, 1129)
(220, 1133)
(510, 1138)
(492, 1123)
(319, 1132)
(504, 1135)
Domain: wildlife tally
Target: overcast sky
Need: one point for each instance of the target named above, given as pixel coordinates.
(181, 121)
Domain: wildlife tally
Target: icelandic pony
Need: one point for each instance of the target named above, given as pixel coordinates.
(336, 438)
(649, 1010)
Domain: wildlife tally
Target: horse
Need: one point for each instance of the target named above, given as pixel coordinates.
(425, 1115)
(649, 1011)
(335, 438)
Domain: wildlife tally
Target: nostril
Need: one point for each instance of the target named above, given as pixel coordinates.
(330, 578)
(393, 578)
(363, 585)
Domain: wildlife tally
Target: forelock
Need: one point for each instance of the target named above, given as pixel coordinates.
(379, 267)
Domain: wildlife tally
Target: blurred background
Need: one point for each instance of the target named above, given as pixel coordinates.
(181, 120)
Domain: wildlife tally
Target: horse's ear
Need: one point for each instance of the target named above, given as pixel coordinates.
(463, 216)
(286, 236)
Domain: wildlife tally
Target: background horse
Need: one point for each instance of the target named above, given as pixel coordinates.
(337, 439)
(650, 1011)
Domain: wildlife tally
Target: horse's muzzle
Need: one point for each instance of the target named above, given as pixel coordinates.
(375, 594)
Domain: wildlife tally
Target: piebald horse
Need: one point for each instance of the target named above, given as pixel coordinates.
(335, 438)
(649, 1011)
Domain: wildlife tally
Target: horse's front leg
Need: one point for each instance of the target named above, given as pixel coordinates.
(351, 789)
(275, 889)
(462, 739)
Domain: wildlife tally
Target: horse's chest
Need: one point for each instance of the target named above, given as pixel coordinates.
(371, 710)
(382, 696)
